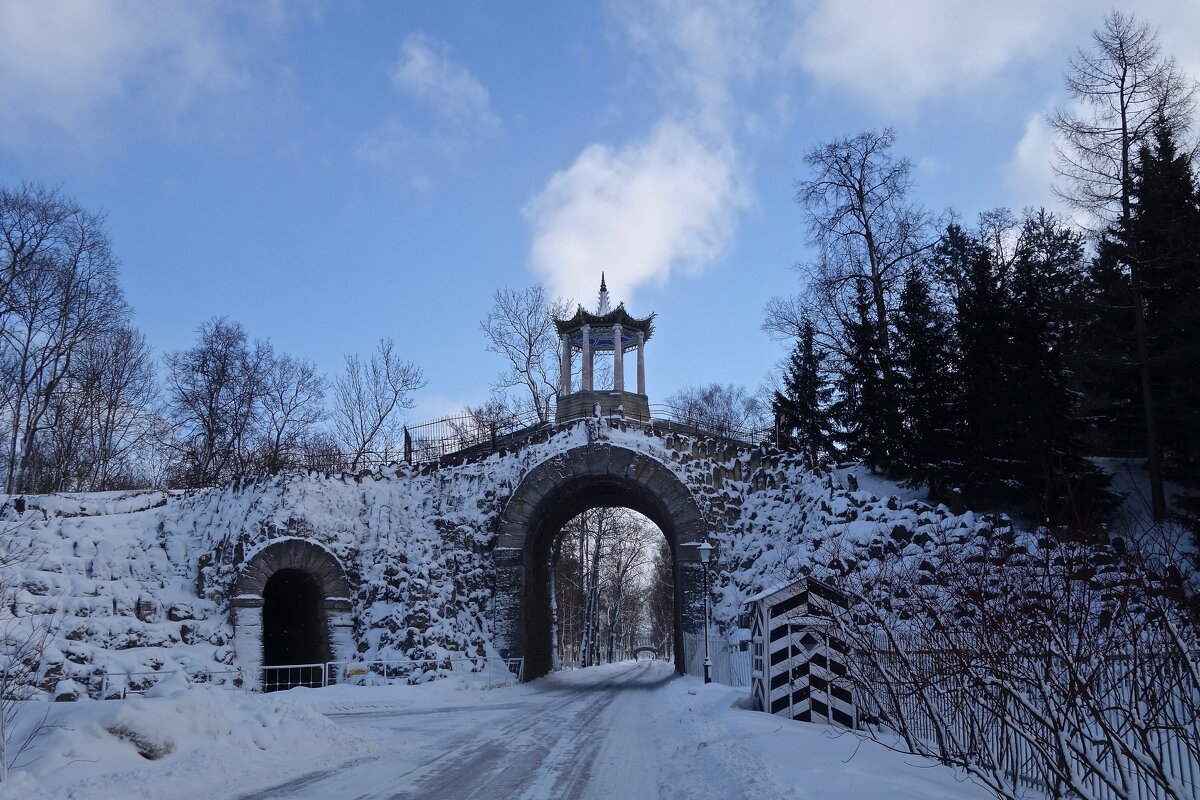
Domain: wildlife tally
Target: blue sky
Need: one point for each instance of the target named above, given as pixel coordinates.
(330, 173)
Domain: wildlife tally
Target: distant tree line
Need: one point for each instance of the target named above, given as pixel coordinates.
(990, 361)
(85, 405)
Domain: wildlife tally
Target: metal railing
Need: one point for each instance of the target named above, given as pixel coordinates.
(119, 685)
(381, 672)
(275, 677)
(430, 441)
(695, 422)
(931, 707)
(730, 663)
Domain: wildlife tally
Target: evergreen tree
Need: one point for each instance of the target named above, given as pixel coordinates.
(980, 367)
(1162, 240)
(863, 410)
(801, 408)
(1041, 397)
(1164, 233)
(923, 365)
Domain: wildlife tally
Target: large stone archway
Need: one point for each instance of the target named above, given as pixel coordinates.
(556, 490)
(283, 557)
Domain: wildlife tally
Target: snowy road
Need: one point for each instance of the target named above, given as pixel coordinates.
(584, 735)
(631, 731)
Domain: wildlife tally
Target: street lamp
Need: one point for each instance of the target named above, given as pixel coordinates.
(705, 554)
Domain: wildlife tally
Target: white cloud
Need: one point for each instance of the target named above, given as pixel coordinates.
(669, 202)
(78, 69)
(1029, 173)
(699, 51)
(386, 144)
(638, 213)
(426, 72)
(460, 105)
(898, 54)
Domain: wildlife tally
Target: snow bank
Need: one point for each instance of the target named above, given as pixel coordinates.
(198, 741)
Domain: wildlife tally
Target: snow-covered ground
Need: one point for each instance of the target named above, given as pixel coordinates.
(630, 730)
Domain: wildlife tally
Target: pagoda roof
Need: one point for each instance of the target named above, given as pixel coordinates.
(618, 316)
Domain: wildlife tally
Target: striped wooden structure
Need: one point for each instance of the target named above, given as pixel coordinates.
(798, 665)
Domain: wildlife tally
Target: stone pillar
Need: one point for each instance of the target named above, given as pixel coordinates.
(339, 615)
(618, 361)
(564, 373)
(248, 639)
(641, 363)
(587, 358)
(506, 607)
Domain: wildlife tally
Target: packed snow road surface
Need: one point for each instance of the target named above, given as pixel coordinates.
(629, 730)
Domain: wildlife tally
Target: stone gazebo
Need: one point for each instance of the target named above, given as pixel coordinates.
(610, 331)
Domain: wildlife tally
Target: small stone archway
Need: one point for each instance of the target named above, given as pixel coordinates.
(637, 651)
(600, 474)
(292, 565)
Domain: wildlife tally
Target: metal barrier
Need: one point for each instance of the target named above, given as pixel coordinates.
(430, 441)
(695, 423)
(730, 663)
(119, 685)
(288, 676)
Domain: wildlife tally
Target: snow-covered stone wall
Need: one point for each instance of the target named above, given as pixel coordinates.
(143, 581)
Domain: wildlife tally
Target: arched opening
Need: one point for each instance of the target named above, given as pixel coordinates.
(568, 500)
(294, 628)
(613, 588)
(553, 492)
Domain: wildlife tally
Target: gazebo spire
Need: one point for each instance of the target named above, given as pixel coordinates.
(612, 330)
(603, 308)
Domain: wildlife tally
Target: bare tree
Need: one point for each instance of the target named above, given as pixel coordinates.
(629, 553)
(33, 222)
(520, 328)
(1123, 88)
(106, 420)
(292, 403)
(722, 409)
(214, 393)
(60, 292)
(859, 215)
(367, 398)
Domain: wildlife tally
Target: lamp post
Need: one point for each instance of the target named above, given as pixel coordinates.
(705, 554)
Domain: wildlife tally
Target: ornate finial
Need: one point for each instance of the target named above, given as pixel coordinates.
(603, 307)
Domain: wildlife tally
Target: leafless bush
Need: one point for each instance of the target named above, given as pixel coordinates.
(24, 640)
(1037, 667)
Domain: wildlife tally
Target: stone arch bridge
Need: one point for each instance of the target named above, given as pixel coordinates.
(453, 557)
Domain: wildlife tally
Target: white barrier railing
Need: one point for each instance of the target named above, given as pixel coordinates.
(275, 677)
(118, 685)
(730, 664)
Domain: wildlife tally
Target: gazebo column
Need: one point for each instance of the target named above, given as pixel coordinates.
(641, 363)
(587, 358)
(618, 360)
(564, 372)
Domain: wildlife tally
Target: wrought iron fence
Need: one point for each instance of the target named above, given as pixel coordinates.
(431, 441)
(975, 723)
(696, 421)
